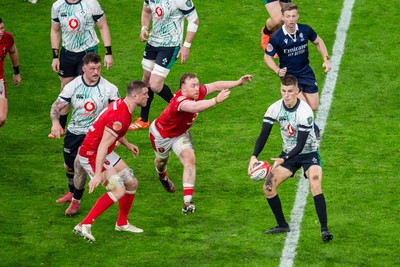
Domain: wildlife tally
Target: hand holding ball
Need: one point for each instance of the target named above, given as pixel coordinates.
(260, 170)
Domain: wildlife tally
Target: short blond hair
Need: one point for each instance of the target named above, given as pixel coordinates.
(289, 7)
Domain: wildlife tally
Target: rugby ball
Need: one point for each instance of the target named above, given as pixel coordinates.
(260, 170)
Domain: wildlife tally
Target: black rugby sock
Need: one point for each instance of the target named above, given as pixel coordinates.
(276, 207)
(320, 207)
(78, 193)
(166, 93)
(266, 31)
(145, 111)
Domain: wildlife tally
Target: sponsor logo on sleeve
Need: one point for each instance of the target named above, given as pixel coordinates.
(117, 126)
(269, 47)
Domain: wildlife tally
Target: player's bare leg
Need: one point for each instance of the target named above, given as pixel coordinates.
(277, 176)
(188, 161)
(273, 22)
(125, 202)
(155, 83)
(314, 175)
(313, 101)
(3, 110)
(161, 168)
(79, 187)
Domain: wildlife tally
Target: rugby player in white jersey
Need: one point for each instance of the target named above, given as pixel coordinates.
(87, 95)
(300, 149)
(73, 22)
(165, 44)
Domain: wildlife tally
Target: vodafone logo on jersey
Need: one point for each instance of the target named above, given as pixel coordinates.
(89, 106)
(158, 10)
(73, 24)
(290, 130)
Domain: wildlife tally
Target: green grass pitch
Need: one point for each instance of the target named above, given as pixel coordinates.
(360, 148)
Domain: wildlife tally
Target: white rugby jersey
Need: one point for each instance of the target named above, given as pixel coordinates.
(291, 121)
(77, 22)
(87, 102)
(168, 21)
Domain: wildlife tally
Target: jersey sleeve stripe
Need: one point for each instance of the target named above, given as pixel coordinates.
(66, 99)
(186, 12)
(96, 18)
(111, 131)
(268, 120)
(305, 128)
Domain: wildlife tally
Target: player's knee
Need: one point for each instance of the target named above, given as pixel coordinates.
(314, 106)
(189, 164)
(114, 183)
(269, 192)
(70, 175)
(315, 185)
(128, 178)
(132, 185)
(275, 22)
(156, 86)
(160, 163)
(187, 158)
(80, 180)
(316, 190)
(66, 167)
(69, 170)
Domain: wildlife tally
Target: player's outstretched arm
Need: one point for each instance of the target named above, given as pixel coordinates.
(199, 106)
(221, 85)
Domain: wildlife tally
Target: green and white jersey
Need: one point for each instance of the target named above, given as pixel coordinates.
(86, 102)
(77, 22)
(291, 121)
(168, 21)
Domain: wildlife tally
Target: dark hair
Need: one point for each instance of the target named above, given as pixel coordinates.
(288, 7)
(91, 58)
(1, 20)
(186, 76)
(135, 86)
(289, 80)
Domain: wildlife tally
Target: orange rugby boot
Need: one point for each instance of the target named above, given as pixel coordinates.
(139, 124)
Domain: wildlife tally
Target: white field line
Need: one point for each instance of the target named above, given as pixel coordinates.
(289, 249)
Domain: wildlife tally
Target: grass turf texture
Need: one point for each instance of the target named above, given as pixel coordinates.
(360, 149)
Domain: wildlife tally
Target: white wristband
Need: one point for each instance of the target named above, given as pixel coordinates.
(186, 44)
(144, 28)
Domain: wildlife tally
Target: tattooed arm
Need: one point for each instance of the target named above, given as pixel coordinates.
(55, 111)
